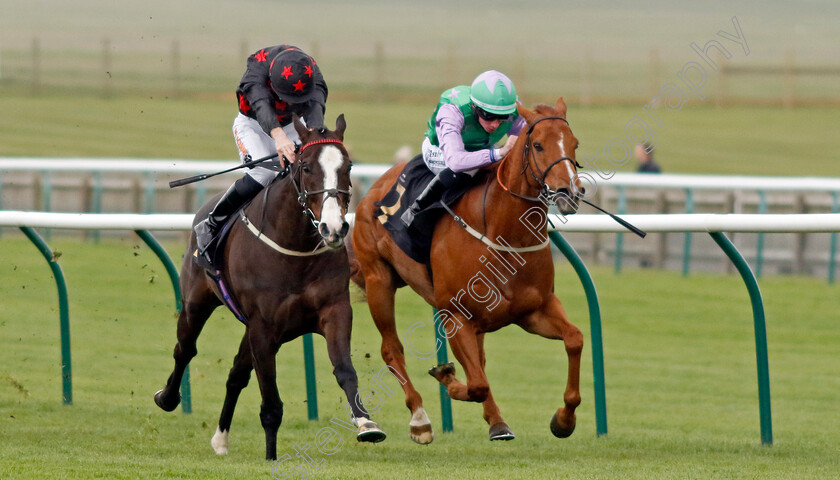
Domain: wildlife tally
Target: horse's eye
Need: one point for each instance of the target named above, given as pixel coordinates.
(538, 146)
(306, 168)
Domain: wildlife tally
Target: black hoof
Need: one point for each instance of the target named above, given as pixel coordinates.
(166, 405)
(442, 370)
(560, 431)
(501, 431)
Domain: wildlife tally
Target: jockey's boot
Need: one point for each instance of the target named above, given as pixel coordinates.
(443, 181)
(206, 230)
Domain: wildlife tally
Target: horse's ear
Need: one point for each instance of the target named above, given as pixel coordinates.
(561, 106)
(302, 131)
(525, 113)
(340, 125)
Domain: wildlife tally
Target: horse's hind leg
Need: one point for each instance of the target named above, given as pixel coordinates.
(191, 320)
(337, 321)
(380, 296)
(237, 380)
(553, 323)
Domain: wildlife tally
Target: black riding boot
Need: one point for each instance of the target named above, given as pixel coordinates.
(237, 195)
(443, 181)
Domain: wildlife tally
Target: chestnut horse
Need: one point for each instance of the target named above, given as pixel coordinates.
(285, 267)
(482, 281)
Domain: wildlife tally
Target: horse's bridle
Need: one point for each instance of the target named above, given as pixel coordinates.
(546, 192)
(303, 194)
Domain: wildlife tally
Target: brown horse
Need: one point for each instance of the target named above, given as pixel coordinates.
(482, 281)
(284, 265)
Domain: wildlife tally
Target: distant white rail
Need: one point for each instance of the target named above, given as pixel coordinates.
(644, 180)
(699, 222)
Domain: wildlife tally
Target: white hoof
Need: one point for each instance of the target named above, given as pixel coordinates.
(420, 427)
(220, 442)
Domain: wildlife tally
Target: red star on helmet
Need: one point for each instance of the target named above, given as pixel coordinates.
(299, 85)
(308, 71)
(260, 56)
(287, 72)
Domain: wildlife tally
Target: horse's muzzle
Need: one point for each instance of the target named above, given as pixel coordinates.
(334, 238)
(568, 202)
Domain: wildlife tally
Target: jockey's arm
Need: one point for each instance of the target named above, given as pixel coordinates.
(448, 123)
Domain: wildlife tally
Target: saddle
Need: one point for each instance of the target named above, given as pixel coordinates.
(415, 241)
(216, 250)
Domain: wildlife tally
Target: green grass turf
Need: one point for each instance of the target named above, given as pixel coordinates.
(680, 379)
(696, 139)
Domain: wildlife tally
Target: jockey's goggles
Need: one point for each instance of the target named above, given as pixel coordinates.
(490, 117)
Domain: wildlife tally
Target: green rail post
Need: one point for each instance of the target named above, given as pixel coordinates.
(186, 395)
(443, 357)
(149, 197)
(689, 208)
(759, 247)
(64, 314)
(832, 256)
(595, 327)
(46, 197)
(309, 367)
(619, 237)
(96, 201)
(760, 334)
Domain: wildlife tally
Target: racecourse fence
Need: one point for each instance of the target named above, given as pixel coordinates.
(713, 224)
(124, 185)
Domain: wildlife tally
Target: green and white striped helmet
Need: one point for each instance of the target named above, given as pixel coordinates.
(493, 92)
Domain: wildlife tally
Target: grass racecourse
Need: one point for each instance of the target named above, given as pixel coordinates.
(680, 380)
(682, 399)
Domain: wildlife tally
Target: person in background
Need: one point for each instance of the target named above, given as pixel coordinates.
(279, 81)
(644, 155)
(462, 133)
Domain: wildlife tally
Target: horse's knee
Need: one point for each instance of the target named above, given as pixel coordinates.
(573, 341)
(478, 393)
(237, 381)
(271, 417)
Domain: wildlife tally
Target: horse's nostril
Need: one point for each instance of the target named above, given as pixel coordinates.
(581, 192)
(323, 230)
(345, 227)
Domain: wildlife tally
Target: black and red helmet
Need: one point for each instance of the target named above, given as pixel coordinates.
(292, 76)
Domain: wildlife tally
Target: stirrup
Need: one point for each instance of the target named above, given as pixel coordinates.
(408, 215)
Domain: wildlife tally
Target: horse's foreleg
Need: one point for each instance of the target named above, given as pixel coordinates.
(457, 390)
(552, 323)
(191, 320)
(263, 352)
(237, 380)
(380, 296)
(336, 323)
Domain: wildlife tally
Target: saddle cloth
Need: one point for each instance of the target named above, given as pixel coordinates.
(415, 241)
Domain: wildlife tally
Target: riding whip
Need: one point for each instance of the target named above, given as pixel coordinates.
(204, 176)
(618, 219)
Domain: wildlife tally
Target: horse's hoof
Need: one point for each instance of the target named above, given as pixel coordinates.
(166, 406)
(370, 432)
(559, 430)
(422, 434)
(501, 431)
(220, 442)
(442, 370)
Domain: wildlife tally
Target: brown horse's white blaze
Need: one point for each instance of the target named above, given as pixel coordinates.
(332, 226)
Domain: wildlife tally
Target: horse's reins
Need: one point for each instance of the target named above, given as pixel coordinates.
(302, 196)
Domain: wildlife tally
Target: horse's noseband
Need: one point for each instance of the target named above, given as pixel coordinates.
(303, 195)
(546, 192)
